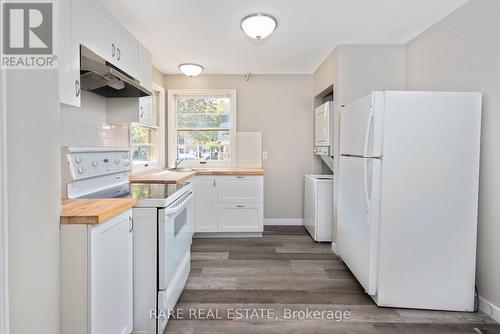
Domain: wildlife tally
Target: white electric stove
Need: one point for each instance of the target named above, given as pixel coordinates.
(163, 227)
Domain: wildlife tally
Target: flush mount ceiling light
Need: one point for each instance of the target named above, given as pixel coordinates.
(258, 26)
(190, 69)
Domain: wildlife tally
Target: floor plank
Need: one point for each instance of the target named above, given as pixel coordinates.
(287, 273)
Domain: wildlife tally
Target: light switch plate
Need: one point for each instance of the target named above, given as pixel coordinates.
(265, 155)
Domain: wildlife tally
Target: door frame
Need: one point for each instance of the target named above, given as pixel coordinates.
(4, 305)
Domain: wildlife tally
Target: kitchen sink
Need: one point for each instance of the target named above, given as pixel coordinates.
(180, 169)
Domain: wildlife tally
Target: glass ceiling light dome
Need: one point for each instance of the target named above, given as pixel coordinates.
(258, 26)
(190, 69)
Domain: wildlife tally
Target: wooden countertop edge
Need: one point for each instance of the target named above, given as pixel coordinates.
(93, 211)
(148, 178)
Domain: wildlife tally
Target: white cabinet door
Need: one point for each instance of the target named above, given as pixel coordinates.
(240, 217)
(95, 29)
(111, 276)
(126, 49)
(69, 53)
(205, 203)
(103, 35)
(145, 111)
(144, 71)
(240, 188)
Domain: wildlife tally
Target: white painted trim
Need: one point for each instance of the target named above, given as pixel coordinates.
(139, 167)
(489, 309)
(161, 119)
(283, 221)
(171, 147)
(334, 248)
(4, 291)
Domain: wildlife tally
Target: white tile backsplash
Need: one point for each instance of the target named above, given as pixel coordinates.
(87, 126)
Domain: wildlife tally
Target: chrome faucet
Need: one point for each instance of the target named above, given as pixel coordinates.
(178, 162)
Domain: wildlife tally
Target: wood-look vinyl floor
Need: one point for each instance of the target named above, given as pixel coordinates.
(268, 280)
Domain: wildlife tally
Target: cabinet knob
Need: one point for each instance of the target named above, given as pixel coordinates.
(113, 49)
(77, 88)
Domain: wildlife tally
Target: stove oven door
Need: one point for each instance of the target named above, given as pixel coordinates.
(175, 232)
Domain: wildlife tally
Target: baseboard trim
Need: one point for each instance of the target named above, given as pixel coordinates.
(201, 235)
(489, 309)
(283, 221)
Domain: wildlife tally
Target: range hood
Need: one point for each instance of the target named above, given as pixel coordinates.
(101, 77)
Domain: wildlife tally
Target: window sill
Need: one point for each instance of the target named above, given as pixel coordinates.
(140, 167)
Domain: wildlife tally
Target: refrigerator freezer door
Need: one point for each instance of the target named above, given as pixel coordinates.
(358, 217)
(361, 126)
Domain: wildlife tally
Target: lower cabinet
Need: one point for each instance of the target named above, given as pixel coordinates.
(97, 277)
(240, 217)
(229, 203)
(205, 203)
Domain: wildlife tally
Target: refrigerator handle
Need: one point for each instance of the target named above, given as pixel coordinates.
(368, 173)
(368, 133)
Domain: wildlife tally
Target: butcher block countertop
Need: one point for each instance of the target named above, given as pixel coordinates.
(161, 176)
(93, 211)
(165, 176)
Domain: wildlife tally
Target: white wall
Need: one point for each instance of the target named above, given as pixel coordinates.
(279, 106)
(87, 125)
(354, 71)
(461, 53)
(33, 200)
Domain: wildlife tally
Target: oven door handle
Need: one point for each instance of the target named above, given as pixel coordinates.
(179, 204)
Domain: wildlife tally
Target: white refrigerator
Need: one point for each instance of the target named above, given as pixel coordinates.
(408, 197)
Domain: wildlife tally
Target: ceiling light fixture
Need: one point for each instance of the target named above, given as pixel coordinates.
(259, 25)
(190, 69)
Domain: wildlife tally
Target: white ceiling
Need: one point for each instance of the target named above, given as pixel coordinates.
(208, 31)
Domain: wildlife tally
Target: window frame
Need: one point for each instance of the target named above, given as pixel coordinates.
(172, 126)
(159, 163)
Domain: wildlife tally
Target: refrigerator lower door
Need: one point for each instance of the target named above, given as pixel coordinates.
(361, 126)
(358, 217)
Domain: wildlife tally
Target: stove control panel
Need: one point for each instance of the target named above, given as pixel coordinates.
(96, 162)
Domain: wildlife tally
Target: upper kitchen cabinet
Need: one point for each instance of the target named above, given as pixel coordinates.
(126, 55)
(103, 35)
(69, 53)
(145, 70)
(94, 28)
(88, 23)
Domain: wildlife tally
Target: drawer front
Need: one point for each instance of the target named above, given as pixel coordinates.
(244, 217)
(240, 188)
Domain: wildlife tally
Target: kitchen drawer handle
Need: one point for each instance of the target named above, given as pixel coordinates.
(130, 224)
(77, 88)
(119, 54)
(240, 177)
(113, 49)
(240, 206)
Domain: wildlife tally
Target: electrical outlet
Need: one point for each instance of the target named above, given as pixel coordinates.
(265, 155)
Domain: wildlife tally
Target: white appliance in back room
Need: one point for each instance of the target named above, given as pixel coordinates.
(408, 197)
(318, 208)
(323, 132)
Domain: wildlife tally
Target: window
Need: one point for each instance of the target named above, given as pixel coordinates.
(202, 127)
(147, 140)
(144, 144)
